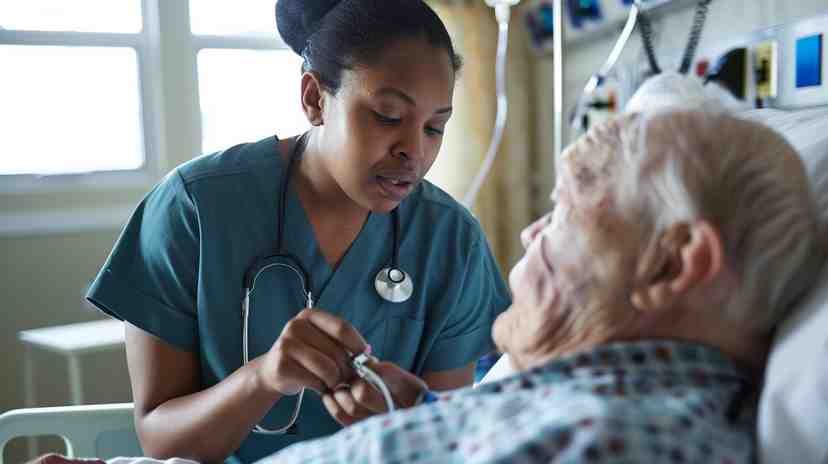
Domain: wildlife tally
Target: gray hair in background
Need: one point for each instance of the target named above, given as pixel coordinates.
(673, 91)
(684, 156)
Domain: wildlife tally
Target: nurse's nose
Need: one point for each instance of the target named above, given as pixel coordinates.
(410, 146)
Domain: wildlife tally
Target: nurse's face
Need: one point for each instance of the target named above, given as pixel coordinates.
(384, 127)
(569, 288)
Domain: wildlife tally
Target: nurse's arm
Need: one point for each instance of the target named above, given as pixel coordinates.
(173, 418)
(451, 379)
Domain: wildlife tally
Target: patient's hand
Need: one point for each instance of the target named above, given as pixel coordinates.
(53, 458)
(350, 403)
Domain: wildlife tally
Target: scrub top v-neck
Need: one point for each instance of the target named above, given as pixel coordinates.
(177, 272)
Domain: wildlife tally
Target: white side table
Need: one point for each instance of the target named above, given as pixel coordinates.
(71, 341)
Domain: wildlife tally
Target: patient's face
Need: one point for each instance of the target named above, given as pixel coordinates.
(572, 284)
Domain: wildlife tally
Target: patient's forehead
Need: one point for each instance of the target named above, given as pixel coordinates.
(586, 168)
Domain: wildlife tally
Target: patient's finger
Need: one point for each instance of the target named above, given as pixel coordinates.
(404, 386)
(337, 411)
(53, 458)
(368, 396)
(347, 402)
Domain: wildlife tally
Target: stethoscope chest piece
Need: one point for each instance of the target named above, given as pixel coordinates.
(394, 285)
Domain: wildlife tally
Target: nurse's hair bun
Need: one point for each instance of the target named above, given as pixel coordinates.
(297, 20)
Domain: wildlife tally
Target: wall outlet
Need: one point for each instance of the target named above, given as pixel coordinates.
(766, 69)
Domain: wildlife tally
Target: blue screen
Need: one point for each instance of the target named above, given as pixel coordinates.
(582, 10)
(809, 61)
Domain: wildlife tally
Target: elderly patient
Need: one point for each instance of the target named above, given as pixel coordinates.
(643, 307)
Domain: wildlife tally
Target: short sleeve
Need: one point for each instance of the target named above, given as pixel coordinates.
(483, 296)
(150, 277)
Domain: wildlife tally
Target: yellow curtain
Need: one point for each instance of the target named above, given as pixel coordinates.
(506, 202)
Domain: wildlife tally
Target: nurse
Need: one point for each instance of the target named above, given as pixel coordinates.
(337, 206)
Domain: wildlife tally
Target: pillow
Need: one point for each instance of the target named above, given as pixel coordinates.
(793, 407)
(501, 369)
(807, 131)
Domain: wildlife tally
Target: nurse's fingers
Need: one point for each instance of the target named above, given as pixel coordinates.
(314, 362)
(306, 333)
(296, 376)
(338, 329)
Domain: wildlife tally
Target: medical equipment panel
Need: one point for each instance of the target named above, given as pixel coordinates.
(587, 20)
(786, 64)
(766, 67)
(809, 61)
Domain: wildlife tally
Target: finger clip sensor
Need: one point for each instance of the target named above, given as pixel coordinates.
(360, 365)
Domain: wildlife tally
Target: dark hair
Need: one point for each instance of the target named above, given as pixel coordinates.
(333, 35)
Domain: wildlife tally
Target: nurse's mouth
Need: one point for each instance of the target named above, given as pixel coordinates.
(396, 188)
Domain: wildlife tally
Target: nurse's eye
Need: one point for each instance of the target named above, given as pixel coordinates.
(386, 119)
(433, 131)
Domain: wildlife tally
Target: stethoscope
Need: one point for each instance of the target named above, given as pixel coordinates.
(391, 283)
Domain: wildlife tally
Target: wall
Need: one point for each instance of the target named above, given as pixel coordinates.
(726, 18)
(45, 275)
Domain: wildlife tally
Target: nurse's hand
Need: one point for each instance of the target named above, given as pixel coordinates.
(358, 400)
(311, 352)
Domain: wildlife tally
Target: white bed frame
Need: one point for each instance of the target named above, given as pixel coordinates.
(103, 431)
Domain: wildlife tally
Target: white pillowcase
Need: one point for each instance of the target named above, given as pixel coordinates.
(793, 409)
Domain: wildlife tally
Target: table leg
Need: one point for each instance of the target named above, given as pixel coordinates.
(29, 394)
(75, 380)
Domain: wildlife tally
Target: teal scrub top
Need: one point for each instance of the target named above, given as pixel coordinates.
(177, 272)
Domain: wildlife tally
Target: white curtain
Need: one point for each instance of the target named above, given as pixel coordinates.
(507, 202)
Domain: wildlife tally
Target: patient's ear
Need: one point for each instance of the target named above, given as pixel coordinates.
(685, 256)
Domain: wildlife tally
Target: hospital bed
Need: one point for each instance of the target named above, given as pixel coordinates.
(104, 431)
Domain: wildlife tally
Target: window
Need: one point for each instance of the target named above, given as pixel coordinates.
(101, 98)
(76, 97)
(248, 80)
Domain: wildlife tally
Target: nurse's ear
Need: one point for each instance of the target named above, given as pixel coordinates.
(313, 98)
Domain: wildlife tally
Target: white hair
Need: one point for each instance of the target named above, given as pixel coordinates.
(671, 91)
(684, 162)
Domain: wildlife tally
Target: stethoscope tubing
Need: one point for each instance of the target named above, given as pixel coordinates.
(294, 265)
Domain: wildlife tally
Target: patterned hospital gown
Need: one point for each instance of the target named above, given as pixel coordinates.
(649, 401)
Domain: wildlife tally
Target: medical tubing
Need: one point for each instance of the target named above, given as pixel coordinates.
(246, 354)
(621, 43)
(597, 79)
(303, 276)
(257, 428)
(645, 27)
(298, 148)
(396, 220)
(695, 35)
(377, 382)
(502, 12)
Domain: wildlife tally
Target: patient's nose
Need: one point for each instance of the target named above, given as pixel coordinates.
(527, 236)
